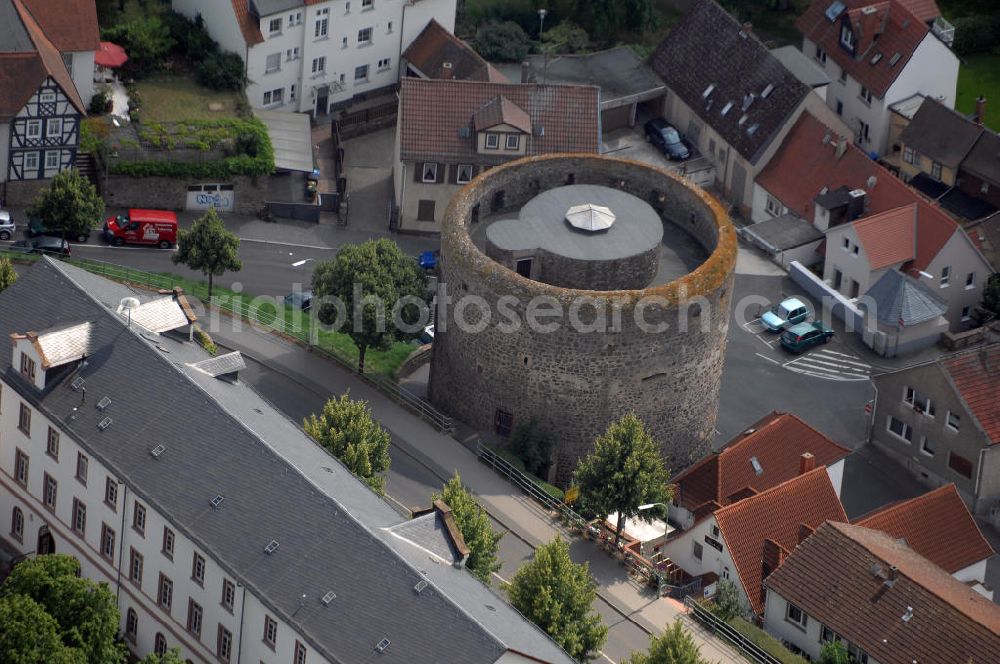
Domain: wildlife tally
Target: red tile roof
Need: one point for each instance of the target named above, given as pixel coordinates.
(838, 577)
(976, 376)
(435, 46)
(775, 515)
(433, 113)
(888, 237)
(22, 73)
(937, 525)
(249, 25)
(924, 10)
(778, 441)
(890, 29)
(803, 166)
(501, 111)
(71, 25)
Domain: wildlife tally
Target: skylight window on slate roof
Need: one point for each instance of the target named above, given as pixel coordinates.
(748, 99)
(752, 129)
(329, 597)
(768, 89)
(217, 501)
(78, 383)
(743, 119)
(876, 58)
(708, 90)
(103, 403)
(382, 645)
(421, 584)
(895, 58)
(105, 423)
(757, 468)
(157, 451)
(725, 109)
(834, 10)
(271, 547)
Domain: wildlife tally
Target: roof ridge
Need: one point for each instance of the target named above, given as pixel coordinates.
(902, 502)
(301, 627)
(743, 504)
(45, 48)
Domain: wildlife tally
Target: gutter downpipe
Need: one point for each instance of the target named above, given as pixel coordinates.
(243, 612)
(121, 548)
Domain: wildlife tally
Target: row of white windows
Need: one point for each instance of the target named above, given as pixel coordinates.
(925, 406)
(53, 128)
(928, 447)
(275, 25)
(798, 618)
(78, 523)
(52, 159)
(276, 96)
(273, 62)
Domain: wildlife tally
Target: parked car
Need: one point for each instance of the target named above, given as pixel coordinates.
(37, 228)
(786, 313)
(804, 336)
(6, 225)
(668, 139)
(157, 227)
(427, 335)
(299, 299)
(429, 259)
(42, 245)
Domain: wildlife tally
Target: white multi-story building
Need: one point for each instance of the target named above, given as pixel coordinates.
(222, 529)
(876, 54)
(312, 56)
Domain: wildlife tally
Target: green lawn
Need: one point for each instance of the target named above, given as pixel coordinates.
(175, 98)
(980, 75)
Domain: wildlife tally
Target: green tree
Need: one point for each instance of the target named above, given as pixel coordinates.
(834, 652)
(346, 429)
(624, 471)
(990, 305)
(506, 42)
(567, 37)
(84, 611)
(70, 204)
(7, 274)
(367, 279)
(222, 71)
(557, 595)
(532, 446)
(147, 41)
(172, 656)
(29, 635)
(674, 646)
(208, 247)
(727, 603)
(477, 531)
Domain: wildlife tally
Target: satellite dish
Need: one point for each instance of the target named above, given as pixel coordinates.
(129, 303)
(590, 217)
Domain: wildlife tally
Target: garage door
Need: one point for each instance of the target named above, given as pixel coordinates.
(203, 196)
(615, 118)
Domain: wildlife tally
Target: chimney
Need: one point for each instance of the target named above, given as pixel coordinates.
(453, 532)
(980, 110)
(447, 71)
(805, 531)
(855, 204)
(525, 71)
(806, 463)
(892, 572)
(841, 147)
(773, 555)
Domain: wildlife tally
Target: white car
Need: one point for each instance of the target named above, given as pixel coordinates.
(6, 225)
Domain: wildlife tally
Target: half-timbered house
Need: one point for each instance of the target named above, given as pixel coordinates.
(40, 107)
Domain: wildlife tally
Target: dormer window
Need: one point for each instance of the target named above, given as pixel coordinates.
(847, 37)
(513, 141)
(27, 367)
(493, 141)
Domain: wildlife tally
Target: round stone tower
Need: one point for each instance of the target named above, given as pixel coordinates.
(575, 289)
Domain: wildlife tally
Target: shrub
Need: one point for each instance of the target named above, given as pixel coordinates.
(205, 341)
(532, 446)
(567, 37)
(506, 42)
(192, 41)
(146, 40)
(221, 71)
(979, 33)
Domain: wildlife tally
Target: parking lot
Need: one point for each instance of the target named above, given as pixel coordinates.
(830, 361)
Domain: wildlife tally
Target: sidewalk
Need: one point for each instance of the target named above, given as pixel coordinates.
(444, 456)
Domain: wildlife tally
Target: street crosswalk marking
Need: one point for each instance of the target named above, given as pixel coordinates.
(830, 365)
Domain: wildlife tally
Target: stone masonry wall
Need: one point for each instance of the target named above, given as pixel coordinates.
(171, 193)
(20, 193)
(574, 383)
(620, 274)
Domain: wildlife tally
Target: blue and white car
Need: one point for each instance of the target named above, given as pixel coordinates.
(786, 313)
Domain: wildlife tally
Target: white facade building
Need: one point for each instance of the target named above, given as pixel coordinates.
(312, 57)
(222, 529)
(876, 56)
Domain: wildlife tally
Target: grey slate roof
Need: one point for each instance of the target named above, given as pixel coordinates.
(984, 158)
(785, 232)
(619, 72)
(64, 343)
(222, 364)
(708, 47)
(940, 133)
(160, 315)
(224, 439)
(803, 67)
(13, 37)
(268, 7)
(899, 297)
(428, 532)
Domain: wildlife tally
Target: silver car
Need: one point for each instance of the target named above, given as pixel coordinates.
(6, 225)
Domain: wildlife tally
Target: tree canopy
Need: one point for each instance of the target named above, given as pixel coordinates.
(209, 247)
(346, 429)
(372, 281)
(70, 203)
(7, 274)
(674, 646)
(834, 652)
(29, 635)
(624, 471)
(172, 656)
(85, 612)
(477, 531)
(557, 595)
(506, 41)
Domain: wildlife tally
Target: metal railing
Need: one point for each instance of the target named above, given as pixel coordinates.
(721, 628)
(273, 321)
(526, 483)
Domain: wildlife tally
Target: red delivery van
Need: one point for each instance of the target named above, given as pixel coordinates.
(157, 227)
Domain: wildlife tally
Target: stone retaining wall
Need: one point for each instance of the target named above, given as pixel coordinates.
(121, 191)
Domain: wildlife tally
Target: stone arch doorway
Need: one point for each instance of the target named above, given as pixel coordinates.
(46, 543)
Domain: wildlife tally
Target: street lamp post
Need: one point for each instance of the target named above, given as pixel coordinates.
(545, 55)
